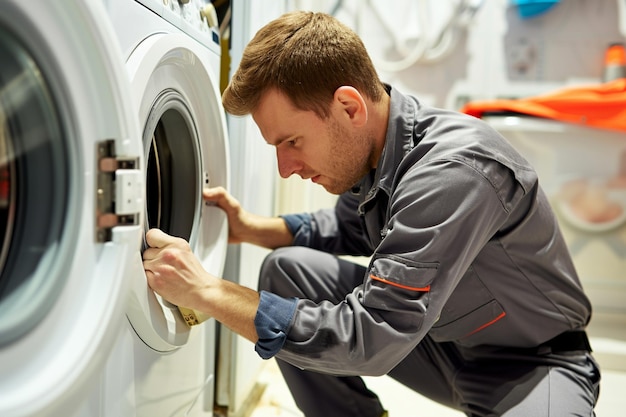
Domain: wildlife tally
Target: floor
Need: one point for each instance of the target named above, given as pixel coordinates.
(402, 402)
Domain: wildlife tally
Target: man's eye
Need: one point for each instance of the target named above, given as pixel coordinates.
(292, 142)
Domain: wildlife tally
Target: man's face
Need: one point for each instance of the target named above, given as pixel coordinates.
(329, 151)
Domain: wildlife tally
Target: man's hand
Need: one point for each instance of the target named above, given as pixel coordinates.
(173, 271)
(243, 226)
(238, 224)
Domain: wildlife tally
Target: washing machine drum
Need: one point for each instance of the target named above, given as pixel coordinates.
(173, 167)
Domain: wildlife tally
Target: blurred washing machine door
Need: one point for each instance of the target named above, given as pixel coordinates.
(186, 149)
(583, 173)
(71, 202)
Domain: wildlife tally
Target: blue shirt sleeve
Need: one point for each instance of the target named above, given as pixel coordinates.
(272, 321)
(300, 227)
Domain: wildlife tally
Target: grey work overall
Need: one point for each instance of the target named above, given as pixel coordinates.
(470, 297)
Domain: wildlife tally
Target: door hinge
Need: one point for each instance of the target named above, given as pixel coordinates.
(119, 191)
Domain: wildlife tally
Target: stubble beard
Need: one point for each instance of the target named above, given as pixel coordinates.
(351, 157)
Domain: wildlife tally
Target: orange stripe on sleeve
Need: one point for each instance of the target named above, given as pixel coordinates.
(395, 284)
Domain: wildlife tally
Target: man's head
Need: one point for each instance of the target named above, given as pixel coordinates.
(306, 56)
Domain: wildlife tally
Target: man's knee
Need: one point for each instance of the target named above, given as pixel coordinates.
(302, 272)
(274, 269)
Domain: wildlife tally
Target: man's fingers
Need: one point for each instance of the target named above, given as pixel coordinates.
(220, 197)
(150, 253)
(214, 194)
(156, 238)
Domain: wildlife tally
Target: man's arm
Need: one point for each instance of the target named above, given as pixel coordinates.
(174, 272)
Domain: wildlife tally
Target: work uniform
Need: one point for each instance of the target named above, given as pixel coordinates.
(470, 297)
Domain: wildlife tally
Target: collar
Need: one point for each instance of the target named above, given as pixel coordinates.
(398, 143)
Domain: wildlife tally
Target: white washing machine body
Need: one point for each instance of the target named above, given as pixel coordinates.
(71, 204)
(160, 365)
(98, 143)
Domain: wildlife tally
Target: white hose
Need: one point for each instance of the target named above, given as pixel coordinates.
(430, 47)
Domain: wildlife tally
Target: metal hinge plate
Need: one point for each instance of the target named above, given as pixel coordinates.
(119, 191)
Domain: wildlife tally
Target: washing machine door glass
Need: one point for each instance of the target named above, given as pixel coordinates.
(33, 188)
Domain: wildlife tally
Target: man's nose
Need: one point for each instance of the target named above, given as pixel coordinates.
(287, 165)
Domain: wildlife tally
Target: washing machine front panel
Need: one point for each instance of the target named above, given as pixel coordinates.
(70, 228)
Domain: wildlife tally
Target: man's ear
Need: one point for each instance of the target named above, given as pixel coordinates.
(352, 103)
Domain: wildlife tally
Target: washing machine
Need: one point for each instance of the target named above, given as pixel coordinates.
(110, 124)
(71, 204)
(164, 365)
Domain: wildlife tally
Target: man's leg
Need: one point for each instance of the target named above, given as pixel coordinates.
(306, 273)
(321, 395)
(502, 382)
(517, 385)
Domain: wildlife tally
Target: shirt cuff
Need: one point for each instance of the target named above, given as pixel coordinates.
(300, 227)
(272, 321)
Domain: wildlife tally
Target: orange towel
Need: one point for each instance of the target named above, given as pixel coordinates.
(599, 105)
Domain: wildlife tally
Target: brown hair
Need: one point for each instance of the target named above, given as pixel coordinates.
(306, 56)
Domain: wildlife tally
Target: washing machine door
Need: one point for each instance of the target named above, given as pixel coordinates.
(71, 202)
(185, 149)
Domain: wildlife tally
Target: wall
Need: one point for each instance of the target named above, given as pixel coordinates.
(497, 53)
